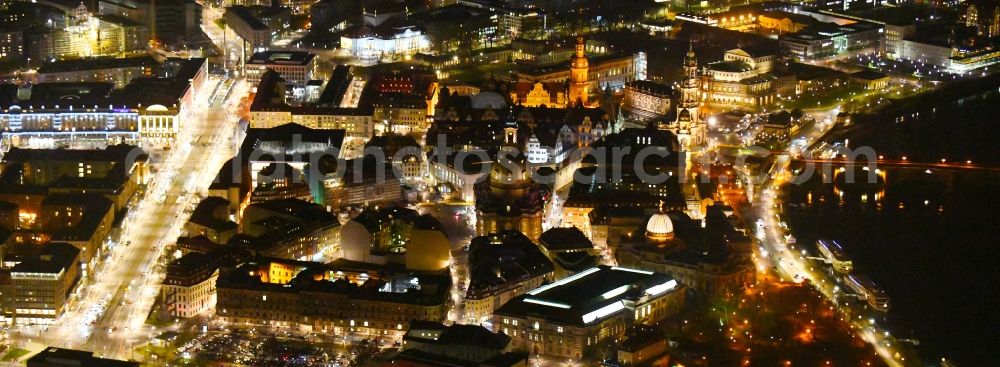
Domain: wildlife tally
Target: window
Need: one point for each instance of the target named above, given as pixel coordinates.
(559, 329)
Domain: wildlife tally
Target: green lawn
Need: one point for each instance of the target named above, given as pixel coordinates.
(14, 354)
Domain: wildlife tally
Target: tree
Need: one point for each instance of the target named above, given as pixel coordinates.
(797, 113)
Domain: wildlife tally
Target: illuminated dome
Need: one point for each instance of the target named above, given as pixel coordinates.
(660, 227)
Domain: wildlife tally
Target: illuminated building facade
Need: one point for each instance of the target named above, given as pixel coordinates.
(745, 80)
(151, 109)
(689, 126)
(339, 298)
(373, 43)
(43, 283)
(579, 87)
(582, 315)
(828, 41)
(503, 266)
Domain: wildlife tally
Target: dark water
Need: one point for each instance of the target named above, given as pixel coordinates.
(939, 261)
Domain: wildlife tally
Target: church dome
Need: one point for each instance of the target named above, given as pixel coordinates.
(660, 227)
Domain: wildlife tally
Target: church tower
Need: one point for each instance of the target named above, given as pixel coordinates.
(689, 127)
(578, 74)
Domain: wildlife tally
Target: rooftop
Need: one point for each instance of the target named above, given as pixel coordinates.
(94, 63)
(565, 238)
(590, 295)
(282, 57)
(501, 259)
(54, 258)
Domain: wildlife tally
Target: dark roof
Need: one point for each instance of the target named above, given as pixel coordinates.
(732, 66)
(281, 58)
(760, 49)
(53, 258)
(372, 219)
(246, 15)
(53, 356)
(869, 74)
(66, 94)
(565, 238)
(278, 142)
(94, 63)
(502, 259)
(204, 214)
(650, 87)
(639, 337)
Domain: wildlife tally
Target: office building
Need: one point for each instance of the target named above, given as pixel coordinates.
(43, 283)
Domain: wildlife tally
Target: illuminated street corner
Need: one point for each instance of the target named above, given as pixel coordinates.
(497, 182)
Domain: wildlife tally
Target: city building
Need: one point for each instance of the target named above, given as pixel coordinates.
(536, 94)
(401, 113)
(827, 41)
(406, 155)
(295, 67)
(150, 110)
(289, 229)
(745, 79)
(645, 100)
(60, 357)
(189, 285)
(79, 33)
(471, 343)
(569, 248)
(582, 315)
(502, 266)
(394, 235)
(784, 22)
(984, 15)
(714, 260)
(375, 42)
(211, 218)
(269, 109)
(870, 79)
(604, 71)
(43, 283)
(364, 182)
(119, 71)
(342, 298)
(641, 345)
(253, 33)
(175, 23)
(457, 173)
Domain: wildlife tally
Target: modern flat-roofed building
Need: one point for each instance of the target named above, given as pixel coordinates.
(296, 67)
(827, 41)
(119, 71)
(580, 316)
(269, 109)
(60, 357)
(252, 31)
(43, 283)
